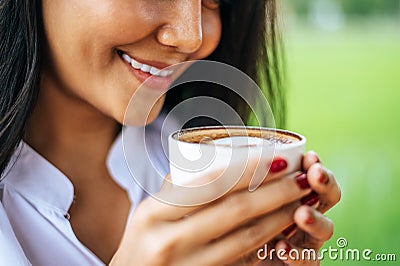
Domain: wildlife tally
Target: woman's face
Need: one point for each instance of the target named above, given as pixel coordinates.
(90, 42)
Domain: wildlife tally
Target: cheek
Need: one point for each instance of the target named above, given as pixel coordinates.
(212, 29)
(81, 57)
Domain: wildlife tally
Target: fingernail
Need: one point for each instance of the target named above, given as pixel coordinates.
(311, 219)
(316, 156)
(278, 165)
(287, 247)
(290, 229)
(310, 199)
(302, 181)
(324, 178)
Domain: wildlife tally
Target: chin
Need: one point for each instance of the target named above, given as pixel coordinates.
(138, 117)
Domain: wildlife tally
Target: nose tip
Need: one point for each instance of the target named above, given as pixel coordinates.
(186, 39)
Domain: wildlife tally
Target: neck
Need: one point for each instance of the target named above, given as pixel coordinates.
(64, 128)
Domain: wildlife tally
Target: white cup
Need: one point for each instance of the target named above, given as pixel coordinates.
(197, 152)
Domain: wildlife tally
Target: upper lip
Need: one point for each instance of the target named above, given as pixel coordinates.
(157, 64)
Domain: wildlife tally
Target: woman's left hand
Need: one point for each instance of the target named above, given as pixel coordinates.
(311, 228)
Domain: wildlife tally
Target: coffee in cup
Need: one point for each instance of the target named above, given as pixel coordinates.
(196, 152)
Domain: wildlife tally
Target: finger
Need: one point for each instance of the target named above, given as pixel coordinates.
(324, 183)
(248, 259)
(233, 246)
(309, 159)
(268, 169)
(293, 255)
(179, 201)
(260, 256)
(238, 208)
(267, 172)
(157, 210)
(312, 222)
(173, 202)
(256, 170)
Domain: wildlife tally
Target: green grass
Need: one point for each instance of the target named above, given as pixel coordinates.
(344, 91)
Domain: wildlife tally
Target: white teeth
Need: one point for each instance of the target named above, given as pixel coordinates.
(126, 58)
(153, 70)
(146, 68)
(135, 64)
(164, 73)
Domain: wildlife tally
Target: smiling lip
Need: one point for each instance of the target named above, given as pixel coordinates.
(149, 72)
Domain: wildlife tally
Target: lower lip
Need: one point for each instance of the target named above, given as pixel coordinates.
(152, 82)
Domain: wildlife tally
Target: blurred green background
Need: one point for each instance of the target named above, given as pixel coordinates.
(343, 71)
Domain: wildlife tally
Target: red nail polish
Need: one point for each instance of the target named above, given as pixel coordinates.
(310, 199)
(287, 247)
(310, 220)
(302, 181)
(278, 165)
(290, 229)
(324, 179)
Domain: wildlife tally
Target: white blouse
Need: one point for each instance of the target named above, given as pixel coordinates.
(37, 197)
(10, 251)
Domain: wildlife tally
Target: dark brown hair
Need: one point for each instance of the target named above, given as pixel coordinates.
(19, 71)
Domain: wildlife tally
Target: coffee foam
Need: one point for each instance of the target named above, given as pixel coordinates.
(232, 136)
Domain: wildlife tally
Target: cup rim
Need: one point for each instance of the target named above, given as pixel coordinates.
(301, 139)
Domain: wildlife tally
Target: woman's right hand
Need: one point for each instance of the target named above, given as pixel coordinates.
(216, 233)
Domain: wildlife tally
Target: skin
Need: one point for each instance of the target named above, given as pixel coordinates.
(166, 232)
(84, 91)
